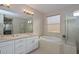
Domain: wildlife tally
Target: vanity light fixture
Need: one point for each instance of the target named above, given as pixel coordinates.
(28, 22)
(28, 12)
(24, 10)
(5, 5)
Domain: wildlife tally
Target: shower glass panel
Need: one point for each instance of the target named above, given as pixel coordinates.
(72, 28)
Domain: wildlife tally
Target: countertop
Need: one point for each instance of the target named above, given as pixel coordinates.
(4, 38)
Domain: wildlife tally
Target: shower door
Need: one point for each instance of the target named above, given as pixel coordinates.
(71, 34)
(72, 28)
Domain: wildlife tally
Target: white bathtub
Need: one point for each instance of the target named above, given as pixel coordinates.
(51, 45)
(55, 45)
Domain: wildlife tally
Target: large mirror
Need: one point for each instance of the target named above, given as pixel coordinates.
(10, 24)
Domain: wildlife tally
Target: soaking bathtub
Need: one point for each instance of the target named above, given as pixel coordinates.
(55, 45)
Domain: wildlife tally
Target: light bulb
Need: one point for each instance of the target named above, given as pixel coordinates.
(24, 10)
(7, 5)
(28, 21)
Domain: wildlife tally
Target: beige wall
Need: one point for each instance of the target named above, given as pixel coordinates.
(38, 23)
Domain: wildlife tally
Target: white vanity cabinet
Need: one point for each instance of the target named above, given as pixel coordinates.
(3, 50)
(31, 43)
(19, 46)
(26, 45)
(7, 47)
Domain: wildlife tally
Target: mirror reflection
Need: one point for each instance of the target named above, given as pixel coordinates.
(10, 24)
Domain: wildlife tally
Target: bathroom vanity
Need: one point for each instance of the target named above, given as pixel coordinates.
(16, 33)
(18, 44)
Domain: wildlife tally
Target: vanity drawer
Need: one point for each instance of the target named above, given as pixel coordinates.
(19, 41)
(6, 43)
(19, 45)
(30, 41)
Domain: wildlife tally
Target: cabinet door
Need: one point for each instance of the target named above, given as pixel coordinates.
(35, 44)
(19, 46)
(7, 47)
(27, 45)
(3, 50)
(31, 44)
(6, 50)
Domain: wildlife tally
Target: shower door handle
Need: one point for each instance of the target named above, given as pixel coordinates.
(64, 36)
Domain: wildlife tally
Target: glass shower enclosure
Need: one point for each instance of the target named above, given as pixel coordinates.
(71, 33)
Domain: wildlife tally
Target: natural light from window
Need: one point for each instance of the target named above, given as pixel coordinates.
(53, 23)
(76, 13)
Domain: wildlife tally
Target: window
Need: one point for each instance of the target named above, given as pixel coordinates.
(53, 23)
(76, 13)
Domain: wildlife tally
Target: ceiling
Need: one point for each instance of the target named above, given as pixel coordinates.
(15, 9)
(43, 8)
(48, 8)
